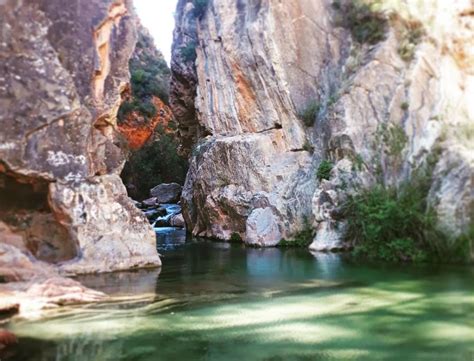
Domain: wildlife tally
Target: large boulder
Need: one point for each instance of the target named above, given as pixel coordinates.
(166, 193)
(263, 228)
(64, 68)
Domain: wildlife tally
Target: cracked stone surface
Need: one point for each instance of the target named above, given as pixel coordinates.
(64, 67)
(259, 64)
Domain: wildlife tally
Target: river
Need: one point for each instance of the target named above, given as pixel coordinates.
(216, 301)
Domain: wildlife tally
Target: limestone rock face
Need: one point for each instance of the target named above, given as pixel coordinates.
(262, 228)
(94, 211)
(64, 67)
(260, 64)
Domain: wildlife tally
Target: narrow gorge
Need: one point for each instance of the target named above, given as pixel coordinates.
(306, 164)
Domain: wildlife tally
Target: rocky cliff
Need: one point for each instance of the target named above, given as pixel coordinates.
(62, 202)
(145, 103)
(266, 91)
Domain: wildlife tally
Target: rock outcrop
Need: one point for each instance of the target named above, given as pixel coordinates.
(166, 192)
(150, 86)
(63, 206)
(137, 131)
(259, 65)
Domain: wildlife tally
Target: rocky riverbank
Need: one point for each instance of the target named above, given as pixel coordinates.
(163, 211)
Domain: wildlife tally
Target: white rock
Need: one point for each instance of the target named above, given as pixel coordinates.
(262, 228)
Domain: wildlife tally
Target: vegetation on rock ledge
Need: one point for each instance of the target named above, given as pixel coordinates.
(309, 114)
(149, 77)
(367, 25)
(158, 160)
(324, 170)
(397, 225)
(301, 239)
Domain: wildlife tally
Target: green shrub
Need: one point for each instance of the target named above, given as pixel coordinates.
(144, 107)
(308, 147)
(324, 170)
(200, 7)
(411, 34)
(365, 24)
(301, 239)
(188, 52)
(358, 163)
(405, 106)
(309, 114)
(157, 162)
(149, 77)
(396, 224)
(235, 238)
(393, 139)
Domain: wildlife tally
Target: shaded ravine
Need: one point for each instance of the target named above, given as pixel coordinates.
(218, 301)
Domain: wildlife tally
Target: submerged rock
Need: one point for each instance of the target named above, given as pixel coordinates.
(166, 193)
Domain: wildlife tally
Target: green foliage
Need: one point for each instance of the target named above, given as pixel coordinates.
(396, 224)
(235, 238)
(149, 77)
(308, 147)
(301, 239)
(366, 25)
(358, 163)
(405, 106)
(393, 138)
(332, 99)
(200, 7)
(188, 52)
(309, 114)
(324, 170)
(157, 162)
(411, 33)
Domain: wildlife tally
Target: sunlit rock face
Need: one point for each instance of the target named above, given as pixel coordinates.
(64, 67)
(260, 64)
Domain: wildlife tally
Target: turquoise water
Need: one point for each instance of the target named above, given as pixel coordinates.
(215, 301)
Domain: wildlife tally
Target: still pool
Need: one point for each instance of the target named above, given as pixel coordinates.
(214, 301)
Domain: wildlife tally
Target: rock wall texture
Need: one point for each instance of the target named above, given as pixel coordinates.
(63, 68)
(137, 130)
(152, 89)
(260, 63)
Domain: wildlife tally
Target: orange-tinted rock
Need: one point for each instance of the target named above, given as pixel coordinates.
(137, 130)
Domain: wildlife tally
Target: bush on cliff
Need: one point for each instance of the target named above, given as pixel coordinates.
(324, 170)
(200, 7)
(397, 224)
(149, 77)
(366, 24)
(301, 239)
(188, 52)
(309, 114)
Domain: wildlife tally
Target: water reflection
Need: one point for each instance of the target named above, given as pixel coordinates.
(225, 302)
(169, 238)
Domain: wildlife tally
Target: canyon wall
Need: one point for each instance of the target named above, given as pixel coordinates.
(382, 108)
(63, 206)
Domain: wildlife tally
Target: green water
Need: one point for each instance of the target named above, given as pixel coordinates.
(221, 302)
